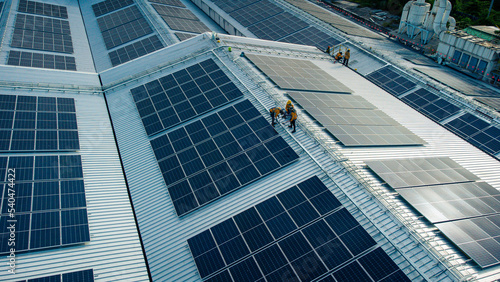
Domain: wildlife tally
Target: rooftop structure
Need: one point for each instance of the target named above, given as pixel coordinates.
(141, 144)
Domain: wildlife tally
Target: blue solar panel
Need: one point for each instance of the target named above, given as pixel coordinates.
(30, 123)
(313, 37)
(245, 248)
(77, 276)
(183, 95)
(49, 201)
(430, 104)
(230, 5)
(218, 154)
(255, 12)
(389, 79)
(135, 50)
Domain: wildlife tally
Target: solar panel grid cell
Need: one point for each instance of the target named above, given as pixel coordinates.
(303, 253)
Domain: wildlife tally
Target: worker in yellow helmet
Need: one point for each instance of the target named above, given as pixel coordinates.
(274, 113)
(288, 106)
(293, 119)
(346, 57)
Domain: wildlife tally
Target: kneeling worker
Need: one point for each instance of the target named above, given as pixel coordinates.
(274, 113)
(338, 57)
(293, 119)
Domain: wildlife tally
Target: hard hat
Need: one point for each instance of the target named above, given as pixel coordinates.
(289, 102)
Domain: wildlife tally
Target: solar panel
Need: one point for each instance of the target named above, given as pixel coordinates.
(430, 104)
(1, 6)
(447, 202)
(50, 205)
(177, 3)
(32, 7)
(32, 124)
(313, 37)
(135, 50)
(218, 154)
(490, 101)
(476, 131)
(184, 36)
(174, 12)
(322, 100)
(181, 96)
(230, 5)
(42, 33)
(185, 25)
(108, 6)
(302, 234)
(77, 276)
(297, 74)
(255, 12)
(39, 60)
(125, 33)
(390, 79)
(479, 238)
(380, 135)
(401, 173)
(277, 26)
(118, 18)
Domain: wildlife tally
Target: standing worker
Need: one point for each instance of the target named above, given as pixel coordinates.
(328, 50)
(288, 106)
(338, 57)
(346, 57)
(274, 113)
(293, 119)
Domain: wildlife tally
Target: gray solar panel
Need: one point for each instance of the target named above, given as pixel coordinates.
(126, 33)
(231, 5)
(32, 7)
(255, 12)
(380, 135)
(108, 6)
(490, 101)
(278, 26)
(185, 25)
(177, 3)
(42, 33)
(39, 60)
(447, 202)
(401, 173)
(119, 18)
(297, 74)
(479, 238)
(135, 50)
(323, 100)
(184, 36)
(77, 276)
(174, 12)
(313, 37)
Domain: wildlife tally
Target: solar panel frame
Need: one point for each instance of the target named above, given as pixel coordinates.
(214, 156)
(109, 6)
(391, 80)
(430, 104)
(127, 32)
(182, 95)
(135, 50)
(297, 74)
(118, 18)
(39, 8)
(313, 235)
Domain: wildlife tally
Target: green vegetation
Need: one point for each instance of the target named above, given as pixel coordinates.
(465, 12)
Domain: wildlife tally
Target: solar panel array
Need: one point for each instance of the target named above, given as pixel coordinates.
(29, 123)
(126, 32)
(108, 6)
(255, 12)
(297, 74)
(430, 104)
(180, 96)
(118, 18)
(476, 131)
(448, 195)
(277, 26)
(490, 101)
(181, 19)
(42, 33)
(177, 3)
(38, 8)
(184, 36)
(389, 79)
(313, 37)
(218, 154)
(353, 120)
(135, 50)
(39, 60)
(301, 234)
(50, 205)
(77, 276)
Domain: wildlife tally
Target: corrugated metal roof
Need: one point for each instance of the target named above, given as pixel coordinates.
(114, 251)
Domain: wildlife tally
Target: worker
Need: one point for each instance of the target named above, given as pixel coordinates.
(293, 119)
(328, 50)
(274, 114)
(338, 57)
(288, 106)
(346, 57)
